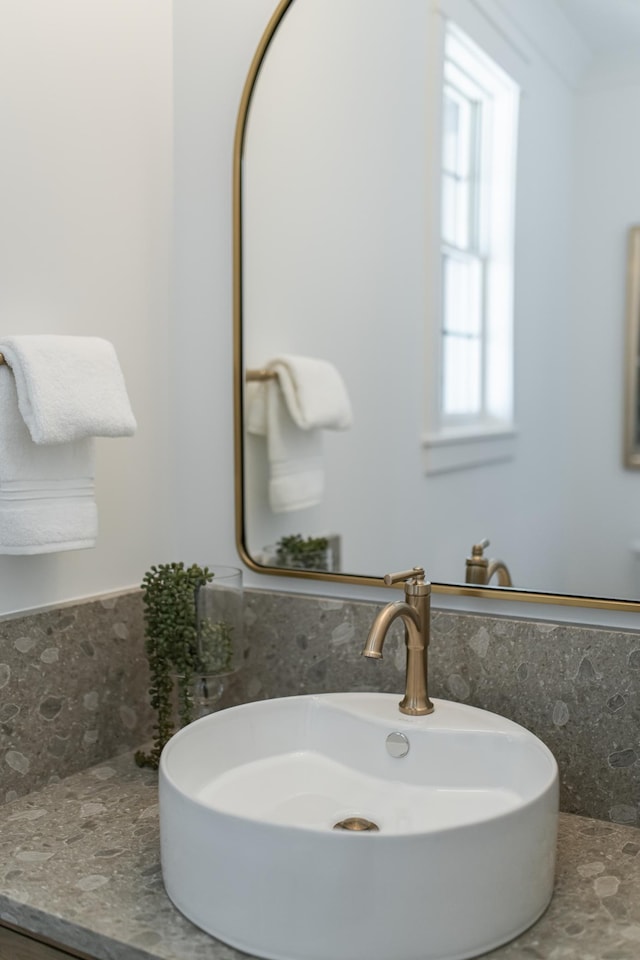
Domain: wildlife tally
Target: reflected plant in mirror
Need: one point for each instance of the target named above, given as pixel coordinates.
(309, 554)
(480, 332)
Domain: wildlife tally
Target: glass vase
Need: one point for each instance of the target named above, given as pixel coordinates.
(220, 638)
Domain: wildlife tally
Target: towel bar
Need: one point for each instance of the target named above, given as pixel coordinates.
(2, 359)
(253, 375)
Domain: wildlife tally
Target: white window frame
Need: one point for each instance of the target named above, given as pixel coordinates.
(453, 441)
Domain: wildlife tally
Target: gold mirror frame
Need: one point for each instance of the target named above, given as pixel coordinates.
(632, 354)
(492, 593)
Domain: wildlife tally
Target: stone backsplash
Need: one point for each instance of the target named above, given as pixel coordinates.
(576, 687)
(73, 690)
(73, 684)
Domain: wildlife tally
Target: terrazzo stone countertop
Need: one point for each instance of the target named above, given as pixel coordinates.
(79, 865)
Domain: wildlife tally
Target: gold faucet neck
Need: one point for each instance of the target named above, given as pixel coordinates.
(414, 610)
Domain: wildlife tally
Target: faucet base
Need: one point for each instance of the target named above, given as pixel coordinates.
(413, 709)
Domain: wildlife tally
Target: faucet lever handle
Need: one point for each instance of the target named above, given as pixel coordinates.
(478, 549)
(417, 573)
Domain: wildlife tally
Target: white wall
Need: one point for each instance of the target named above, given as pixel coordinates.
(85, 181)
(214, 43)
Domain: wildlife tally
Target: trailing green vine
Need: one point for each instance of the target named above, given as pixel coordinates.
(170, 598)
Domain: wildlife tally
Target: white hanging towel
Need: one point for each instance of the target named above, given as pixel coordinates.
(46, 448)
(307, 396)
(69, 387)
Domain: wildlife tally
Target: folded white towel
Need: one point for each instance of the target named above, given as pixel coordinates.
(46, 491)
(315, 392)
(69, 388)
(307, 395)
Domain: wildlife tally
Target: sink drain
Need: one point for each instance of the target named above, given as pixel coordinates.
(357, 824)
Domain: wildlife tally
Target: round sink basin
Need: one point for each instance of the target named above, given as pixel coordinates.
(332, 827)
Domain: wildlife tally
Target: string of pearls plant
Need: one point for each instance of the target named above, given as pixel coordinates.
(170, 598)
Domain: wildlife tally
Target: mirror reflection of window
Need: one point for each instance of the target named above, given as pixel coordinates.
(479, 130)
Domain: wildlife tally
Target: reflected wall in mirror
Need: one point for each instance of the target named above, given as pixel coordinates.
(339, 254)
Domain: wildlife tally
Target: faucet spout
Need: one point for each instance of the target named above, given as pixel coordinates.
(414, 611)
(381, 624)
(500, 568)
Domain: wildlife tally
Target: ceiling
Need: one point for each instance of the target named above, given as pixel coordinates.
(608, 27)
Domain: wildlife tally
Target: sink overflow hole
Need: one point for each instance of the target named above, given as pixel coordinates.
(356, 824)
(397, 745)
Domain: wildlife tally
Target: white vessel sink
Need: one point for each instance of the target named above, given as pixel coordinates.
(462, 861)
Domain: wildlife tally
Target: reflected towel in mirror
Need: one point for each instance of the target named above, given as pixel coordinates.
(314, 391)
(308, 395)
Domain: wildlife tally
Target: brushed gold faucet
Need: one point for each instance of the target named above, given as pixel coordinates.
(414, 611)
(480, 570)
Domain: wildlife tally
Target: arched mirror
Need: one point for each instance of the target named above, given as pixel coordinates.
(432, 207)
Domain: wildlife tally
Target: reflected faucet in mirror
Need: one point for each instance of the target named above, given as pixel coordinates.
(415, 612)
(481, 570)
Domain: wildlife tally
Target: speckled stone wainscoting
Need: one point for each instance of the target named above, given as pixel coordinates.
(73, 690)
(73, 684)
(576, 687)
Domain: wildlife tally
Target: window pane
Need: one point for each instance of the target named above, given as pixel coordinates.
(457, 132)
(462, 296)
(455, 212)
(450, 127)
(458, 155)
(462, 376)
